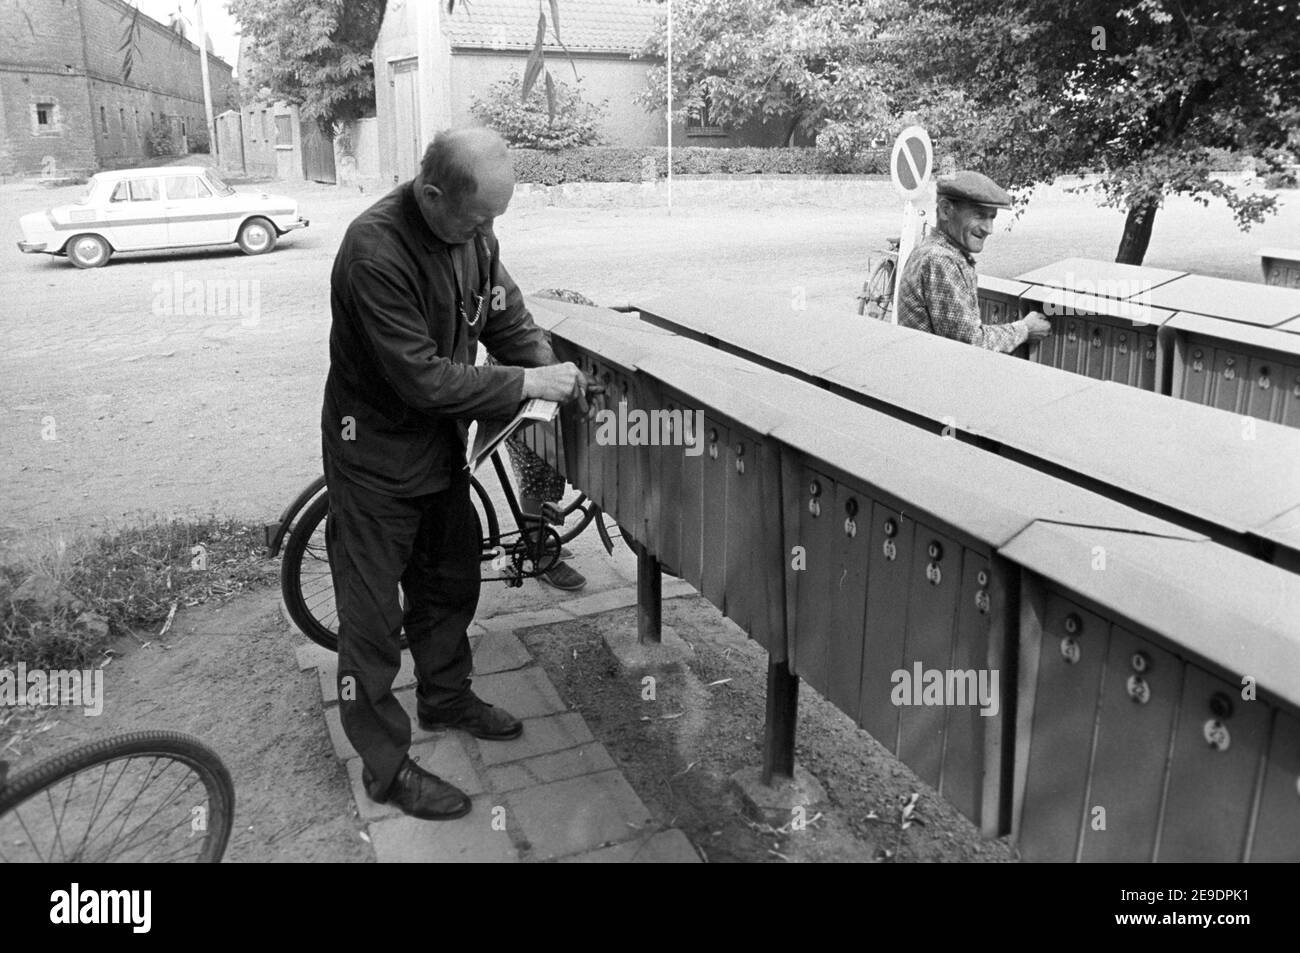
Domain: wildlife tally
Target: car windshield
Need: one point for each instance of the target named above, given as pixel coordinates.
(218, 186)
(91, 188)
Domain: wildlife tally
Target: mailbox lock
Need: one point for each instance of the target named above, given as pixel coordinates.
(1073, 624)
(1070, 333)
(1096, 338)
(1151, 351)
(1070, 650)
(851, 507)
(1296, 390)
(1264, 382)
(933, 573)
(1229, 369)
(982, 578)
(1197, 364)
(1123, 343)
(850, 524)
(1221, 705)
(982, 601)
(1140, 662)
(814, 488)
(814, 504)
(1138, 689)
(1216, 735)
(740, 453)
(935, 551)
(713, 443)
(891, 528)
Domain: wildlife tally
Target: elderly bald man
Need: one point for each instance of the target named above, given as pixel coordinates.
(937, 291)
(417, 284)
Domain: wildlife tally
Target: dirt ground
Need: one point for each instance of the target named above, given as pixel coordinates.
(115, 403)
(705, 723)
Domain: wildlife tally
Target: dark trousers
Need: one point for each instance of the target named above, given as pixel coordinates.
(430, 544)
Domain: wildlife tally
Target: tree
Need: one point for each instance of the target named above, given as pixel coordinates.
(806, 64)
(1142, 92)
(315, 54)
(560, 120)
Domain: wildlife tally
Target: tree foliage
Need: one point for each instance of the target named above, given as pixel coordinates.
(315, 54)
(1144, 92)
(531, 124)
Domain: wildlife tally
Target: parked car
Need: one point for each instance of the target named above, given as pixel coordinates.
(164, 207)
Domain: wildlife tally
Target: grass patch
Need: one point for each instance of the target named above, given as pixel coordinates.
(132, 579)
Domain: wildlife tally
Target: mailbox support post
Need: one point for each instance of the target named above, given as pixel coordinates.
(649, 597)
(782, 713)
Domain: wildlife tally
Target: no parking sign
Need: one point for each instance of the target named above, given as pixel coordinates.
(912, 162)
(910, 166)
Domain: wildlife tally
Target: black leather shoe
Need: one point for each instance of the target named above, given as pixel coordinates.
(420, 794)
(478, 718)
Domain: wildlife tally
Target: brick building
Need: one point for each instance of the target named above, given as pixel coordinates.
(64, 105)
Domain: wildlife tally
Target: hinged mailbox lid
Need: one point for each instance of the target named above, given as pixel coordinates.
(1107, 279)
(1231, 333)
(1245, 302)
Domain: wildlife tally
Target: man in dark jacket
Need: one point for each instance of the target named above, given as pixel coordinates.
(417, 283)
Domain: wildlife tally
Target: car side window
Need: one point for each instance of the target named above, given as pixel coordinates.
(122, 193)
(144, 190)
(185, 187)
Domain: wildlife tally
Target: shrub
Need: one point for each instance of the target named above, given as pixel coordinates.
(159, 139)
(625, 164)
(528, 124)
(199, 140)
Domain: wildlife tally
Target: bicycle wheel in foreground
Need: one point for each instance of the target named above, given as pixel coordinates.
(147, 796)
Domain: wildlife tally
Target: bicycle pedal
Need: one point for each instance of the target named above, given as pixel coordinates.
(551, 513)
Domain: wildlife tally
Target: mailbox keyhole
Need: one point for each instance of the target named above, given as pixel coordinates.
(1217, 735)
(1123, 343)
(1229, 370)
(982, 601)
(1070, 650)
(1138, 689)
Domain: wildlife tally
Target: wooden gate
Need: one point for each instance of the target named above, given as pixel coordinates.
(317, 155)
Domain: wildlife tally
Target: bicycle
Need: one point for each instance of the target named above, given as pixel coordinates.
(158, 796)
(528, 551)
(876, 299)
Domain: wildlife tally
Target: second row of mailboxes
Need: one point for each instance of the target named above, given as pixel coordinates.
(1135, 755)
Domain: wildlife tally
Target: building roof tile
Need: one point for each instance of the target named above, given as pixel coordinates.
(586, 26)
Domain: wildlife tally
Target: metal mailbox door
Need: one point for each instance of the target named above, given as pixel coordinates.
(1074, 343)
(1096, 356)
(1149, 374)
(884, 637)
(1277, 826)
(1216, 759)
(632, 441)
(1074, 651)
(713, 569)
(1139, 704)
(1198, 371)
(754, 564)
(1289, 414)
(665, 524)
(693, 509)
(1226, 385)
(961, 779)
(819, 536)
(1263, 396)
(934, 582)
(847, 597)
(607, 440)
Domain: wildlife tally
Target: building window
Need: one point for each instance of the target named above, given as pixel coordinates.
(103, 121)
(45, 116)
(703, 124)
(283, 131)
(121, 124)
(137, 126)
(266, 124)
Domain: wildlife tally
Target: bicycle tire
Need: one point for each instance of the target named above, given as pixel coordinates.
(169, 746)
(306, 582)
(878, 292)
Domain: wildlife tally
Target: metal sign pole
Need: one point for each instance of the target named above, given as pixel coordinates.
(670, 107)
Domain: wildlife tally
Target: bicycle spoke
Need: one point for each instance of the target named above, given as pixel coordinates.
(99, 806)
(188, 780)
(126, 812)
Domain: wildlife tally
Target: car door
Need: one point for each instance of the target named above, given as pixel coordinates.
(194, 215)
(134, 216)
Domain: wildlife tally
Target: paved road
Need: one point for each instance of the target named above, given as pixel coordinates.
(161, 402)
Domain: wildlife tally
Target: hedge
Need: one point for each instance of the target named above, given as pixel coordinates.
(621, 164)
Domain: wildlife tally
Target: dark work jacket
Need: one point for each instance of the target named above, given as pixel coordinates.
(402, 386)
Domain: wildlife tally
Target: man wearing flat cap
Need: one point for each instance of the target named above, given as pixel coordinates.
(938, 292)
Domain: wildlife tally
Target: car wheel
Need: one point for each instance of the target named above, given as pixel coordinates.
(256, 236)
(88, 251)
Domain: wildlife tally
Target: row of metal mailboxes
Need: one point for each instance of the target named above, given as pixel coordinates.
(1229, 344)
(1236, 479)
(873, 555)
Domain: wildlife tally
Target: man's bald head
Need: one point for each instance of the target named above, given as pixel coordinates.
(459, 161)
(466, 180)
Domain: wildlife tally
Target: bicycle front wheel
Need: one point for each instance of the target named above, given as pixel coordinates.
(148, 796)
(877, 299)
